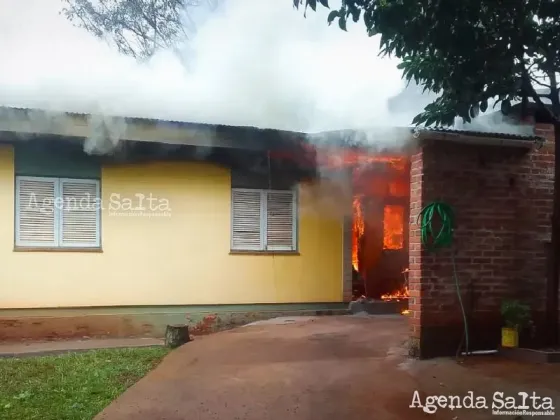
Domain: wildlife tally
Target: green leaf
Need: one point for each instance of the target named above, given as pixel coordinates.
(312, 4)
(419, 119)
(332, 16)
(342, 23)
(473, 111)
(325, 3)
(430, 121)
(354, 11)
(506, 106)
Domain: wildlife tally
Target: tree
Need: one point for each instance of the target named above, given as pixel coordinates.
(472, 54)
(137, 27)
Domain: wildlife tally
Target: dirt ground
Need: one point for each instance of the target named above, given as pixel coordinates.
(323, 368)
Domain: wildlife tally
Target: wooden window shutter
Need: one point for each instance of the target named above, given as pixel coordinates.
(36, 215)
(80, 213)
(246, 220)
(280, 221)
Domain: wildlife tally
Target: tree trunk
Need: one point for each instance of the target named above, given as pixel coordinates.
(552, 312)
(176, 335)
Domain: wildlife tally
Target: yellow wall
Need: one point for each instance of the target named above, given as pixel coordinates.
(181, 259)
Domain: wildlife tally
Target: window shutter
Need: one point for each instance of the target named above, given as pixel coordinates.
(280, 221)
(36, 216)
(80, 213)
(246, 220)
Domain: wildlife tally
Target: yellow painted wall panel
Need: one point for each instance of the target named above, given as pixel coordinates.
(182, 258)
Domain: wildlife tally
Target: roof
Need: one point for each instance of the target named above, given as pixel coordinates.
(485, 134)
(479, 138)
(35, 121)
(144, 120)
(28, 121)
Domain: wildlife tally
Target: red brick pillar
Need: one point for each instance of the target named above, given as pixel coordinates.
(414, 254)
(475, 181)
(541, 186)
(502, 198)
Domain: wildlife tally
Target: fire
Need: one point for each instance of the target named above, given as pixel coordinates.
(381, 184)
(334, 159)
(405, 312)
(403, 293)
(399, 294)
(393, 227)
(357, 230)
(399, 188)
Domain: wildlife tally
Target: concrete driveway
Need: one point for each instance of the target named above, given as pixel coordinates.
(323, 368)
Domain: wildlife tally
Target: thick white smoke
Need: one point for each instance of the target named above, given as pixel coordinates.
(254, 62)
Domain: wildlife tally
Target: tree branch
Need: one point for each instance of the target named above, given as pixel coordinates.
(537, 82)
(554, 92)
(530, 89)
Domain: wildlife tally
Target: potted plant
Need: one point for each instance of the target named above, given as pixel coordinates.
(516, 316)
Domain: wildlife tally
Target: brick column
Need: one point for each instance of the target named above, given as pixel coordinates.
(502, 198)
(535, 215)
(414, 254)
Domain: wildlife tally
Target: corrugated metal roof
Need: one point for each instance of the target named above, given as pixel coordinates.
(146, 120)
(505, 136)
(355, 135)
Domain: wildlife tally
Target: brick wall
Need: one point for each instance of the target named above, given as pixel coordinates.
(503, 201)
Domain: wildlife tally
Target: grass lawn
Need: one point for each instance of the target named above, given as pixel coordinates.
(73, 386)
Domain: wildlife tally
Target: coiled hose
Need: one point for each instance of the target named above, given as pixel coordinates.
(443, 215)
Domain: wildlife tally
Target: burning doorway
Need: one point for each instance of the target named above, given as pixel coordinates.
(381, 207)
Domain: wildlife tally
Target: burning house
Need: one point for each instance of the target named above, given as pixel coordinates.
(238, 231)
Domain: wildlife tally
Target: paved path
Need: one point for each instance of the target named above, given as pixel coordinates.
(325, 368)
(63, 346)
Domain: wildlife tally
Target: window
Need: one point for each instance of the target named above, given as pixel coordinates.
(57, 213)
(264, 220)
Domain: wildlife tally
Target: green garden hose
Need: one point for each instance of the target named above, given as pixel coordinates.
(433, 242)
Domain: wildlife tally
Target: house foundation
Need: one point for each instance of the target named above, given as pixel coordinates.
(144, 321)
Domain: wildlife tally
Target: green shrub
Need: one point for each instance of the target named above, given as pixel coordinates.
(515, 314)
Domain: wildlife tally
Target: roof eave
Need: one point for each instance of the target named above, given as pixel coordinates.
(524, 143)
(25, 123)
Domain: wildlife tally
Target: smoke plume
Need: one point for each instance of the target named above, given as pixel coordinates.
(252, 63)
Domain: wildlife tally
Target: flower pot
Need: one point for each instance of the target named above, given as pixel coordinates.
(510, 337)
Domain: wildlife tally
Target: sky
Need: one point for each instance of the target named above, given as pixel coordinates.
(254, 62)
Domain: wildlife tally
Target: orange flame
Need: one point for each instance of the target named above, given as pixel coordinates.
(399, 188)
(357, 230)
(397, 295)
(403, 293)
(405, 312)
(381, 186)
(393, 227)
(356, 158)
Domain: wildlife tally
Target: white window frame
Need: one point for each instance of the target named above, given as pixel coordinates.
(263, 222)
(58, 218)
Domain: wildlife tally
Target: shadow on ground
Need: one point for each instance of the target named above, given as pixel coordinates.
(324, 368)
